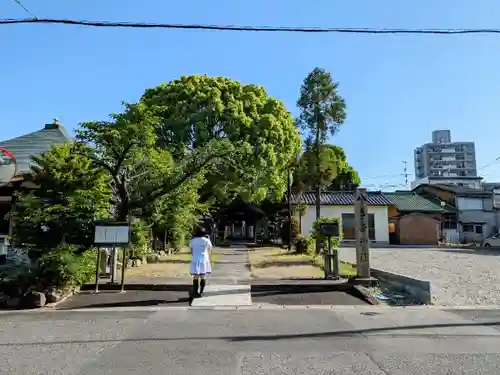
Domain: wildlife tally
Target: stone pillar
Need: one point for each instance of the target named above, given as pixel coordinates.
(362, 236)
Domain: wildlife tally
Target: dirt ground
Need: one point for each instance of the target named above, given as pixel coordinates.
(277, 263)
(173, 266)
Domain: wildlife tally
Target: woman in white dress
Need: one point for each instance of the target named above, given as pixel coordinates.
(200, 266)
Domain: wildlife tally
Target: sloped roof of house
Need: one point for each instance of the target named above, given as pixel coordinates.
(408, 201)
(34, 144)
(462, 191)
(340, 198)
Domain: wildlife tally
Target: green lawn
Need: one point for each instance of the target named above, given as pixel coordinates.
(277, 263)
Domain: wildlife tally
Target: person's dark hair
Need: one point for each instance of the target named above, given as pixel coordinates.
(200, 232)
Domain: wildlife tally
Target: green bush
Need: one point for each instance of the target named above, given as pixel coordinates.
(285, 238)
(141, 240)
(15, 280)
(303, 244)
(316, 232)
(63, 268)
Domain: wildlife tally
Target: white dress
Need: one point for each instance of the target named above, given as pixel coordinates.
(200, 261)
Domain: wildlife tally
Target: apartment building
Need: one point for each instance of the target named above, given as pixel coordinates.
(444, 158)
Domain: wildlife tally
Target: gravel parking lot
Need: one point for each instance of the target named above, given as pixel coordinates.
(459, 277)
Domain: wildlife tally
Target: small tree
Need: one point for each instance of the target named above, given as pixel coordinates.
(71, 194)
(322, 113)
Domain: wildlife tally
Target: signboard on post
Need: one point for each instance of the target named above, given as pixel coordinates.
(112, 235)
(362, 238)
(330, 230)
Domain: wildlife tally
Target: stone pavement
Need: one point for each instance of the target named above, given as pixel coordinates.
(222, 287)
(364, 340)
(458, 277)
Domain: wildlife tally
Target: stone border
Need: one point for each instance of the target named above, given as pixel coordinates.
(416, 288)
(255, 307)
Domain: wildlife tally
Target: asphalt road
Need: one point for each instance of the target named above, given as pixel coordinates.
(362, 340)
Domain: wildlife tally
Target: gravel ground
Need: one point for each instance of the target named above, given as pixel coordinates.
(459, 277)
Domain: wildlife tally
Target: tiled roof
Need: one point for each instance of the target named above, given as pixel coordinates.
(34, 144)
(408, 201)
(340, 198)
(463, 191)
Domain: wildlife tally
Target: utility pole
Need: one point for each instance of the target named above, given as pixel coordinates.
(405, 172)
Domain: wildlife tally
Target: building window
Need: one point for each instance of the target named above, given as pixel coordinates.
(473, 228)
(468, 228)
(349, 226)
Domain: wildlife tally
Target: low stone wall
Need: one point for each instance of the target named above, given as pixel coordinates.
(418, 289)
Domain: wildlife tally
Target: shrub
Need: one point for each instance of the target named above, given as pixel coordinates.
(63, 268)
(141, 240)
(316, 232)
(303, 244)
(285, 230)
(15, 280)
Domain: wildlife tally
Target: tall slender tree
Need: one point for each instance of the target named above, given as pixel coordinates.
(322, 113)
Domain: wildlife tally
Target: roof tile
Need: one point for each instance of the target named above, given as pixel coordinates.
(340, 198)
(33, 144)
(409, 201)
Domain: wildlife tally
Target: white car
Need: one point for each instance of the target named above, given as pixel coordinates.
(492, 241)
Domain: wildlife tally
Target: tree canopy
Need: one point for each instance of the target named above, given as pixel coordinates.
(335, 171)
(72, 193)
(197, 110)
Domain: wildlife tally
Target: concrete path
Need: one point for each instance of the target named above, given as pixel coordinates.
(343, 341)
(458, 277)
(222, 287)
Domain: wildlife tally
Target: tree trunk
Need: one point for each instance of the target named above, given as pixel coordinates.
(318, 190)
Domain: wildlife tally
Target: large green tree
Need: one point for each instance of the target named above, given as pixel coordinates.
(347, 177)
(197, 110)
(71, 194)
(139, 172)
(322, 111)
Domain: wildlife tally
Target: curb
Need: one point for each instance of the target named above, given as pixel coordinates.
(133, 287)
(263, 307)
(367, 295)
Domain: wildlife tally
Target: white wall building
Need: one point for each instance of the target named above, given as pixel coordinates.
(341, 205)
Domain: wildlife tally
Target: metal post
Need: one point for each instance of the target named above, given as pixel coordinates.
(97, 270)
(113, 264)
(124, 265)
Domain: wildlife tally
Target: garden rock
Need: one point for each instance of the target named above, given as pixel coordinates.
(137, 262)
(33, 300)
(153, 258)
(130, 263)
(53, 296)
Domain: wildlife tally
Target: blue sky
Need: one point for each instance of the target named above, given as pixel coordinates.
(398, 88)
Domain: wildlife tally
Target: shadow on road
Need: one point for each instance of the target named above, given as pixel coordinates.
(249, 338)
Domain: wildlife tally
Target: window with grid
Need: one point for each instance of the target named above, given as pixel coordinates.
(349, 226)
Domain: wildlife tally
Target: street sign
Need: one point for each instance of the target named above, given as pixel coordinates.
(330, 229)
(115, 234)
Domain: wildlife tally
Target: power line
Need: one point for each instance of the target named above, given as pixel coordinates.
(18, 2)
(246, 28)
(496, 161)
